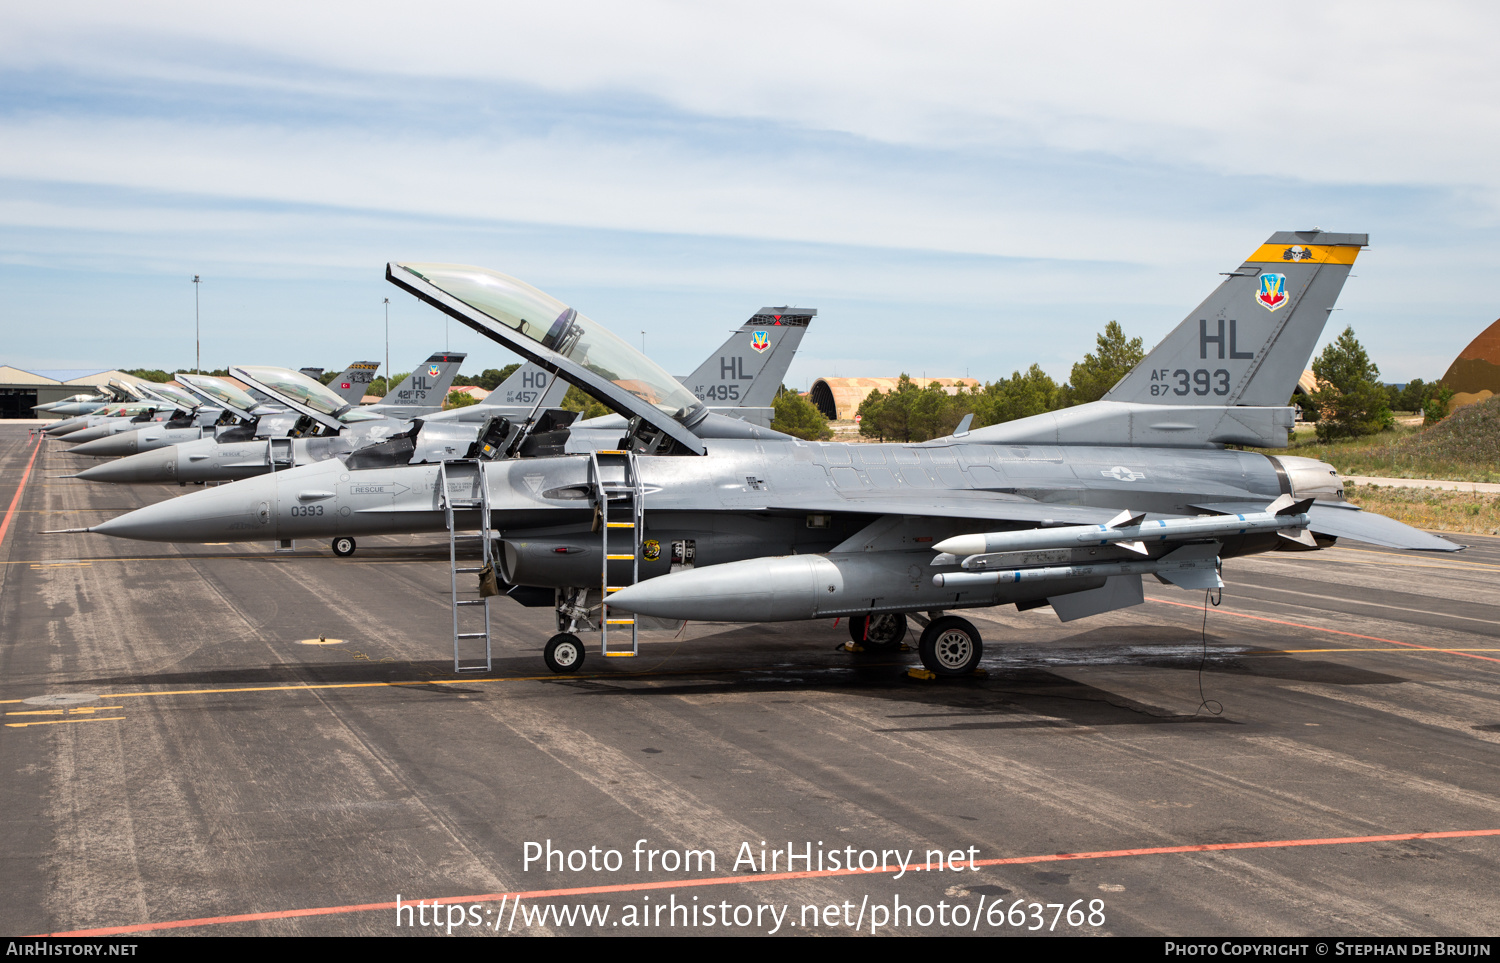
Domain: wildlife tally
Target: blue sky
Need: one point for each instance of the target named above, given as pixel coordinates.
(957, 188)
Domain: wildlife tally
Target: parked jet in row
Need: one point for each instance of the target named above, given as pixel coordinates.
(698, 516)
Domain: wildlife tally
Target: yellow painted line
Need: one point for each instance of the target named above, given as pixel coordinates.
(84, 710)
(58, 564)
(1321, 253)
(60, 722)
(1391, 651)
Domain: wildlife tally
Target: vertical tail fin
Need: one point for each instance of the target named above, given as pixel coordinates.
(749, 367)
(428, 385)
(523, 386)
(1250, 341)
(354, 382)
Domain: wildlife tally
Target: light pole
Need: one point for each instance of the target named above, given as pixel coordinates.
(387, 344)
(197, 331)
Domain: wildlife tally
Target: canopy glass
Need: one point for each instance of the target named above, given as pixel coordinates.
(296, 387)
(547, 321)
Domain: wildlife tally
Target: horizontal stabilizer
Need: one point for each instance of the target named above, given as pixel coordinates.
(1347, 521)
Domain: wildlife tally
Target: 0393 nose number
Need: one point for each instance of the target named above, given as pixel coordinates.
(306, 510)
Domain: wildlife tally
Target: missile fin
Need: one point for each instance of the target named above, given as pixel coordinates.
(1299, 535)
(1136, 546)
(1126, 519)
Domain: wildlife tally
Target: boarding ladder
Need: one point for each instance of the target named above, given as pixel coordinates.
(620, 502)
(467, 475)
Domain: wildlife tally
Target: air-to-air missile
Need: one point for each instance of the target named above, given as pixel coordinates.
(739, 523)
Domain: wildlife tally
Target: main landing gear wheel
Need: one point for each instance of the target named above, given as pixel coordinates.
(564, 653)
(879, 633)
(951, 646)
(343, 546)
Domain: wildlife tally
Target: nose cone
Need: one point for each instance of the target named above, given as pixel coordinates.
(124, 443)
(66, 426)
(241, 512)
(90, 434)
(145, 468)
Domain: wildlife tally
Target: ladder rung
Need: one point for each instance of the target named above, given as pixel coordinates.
(619, 655)
(619, 621)
(471, 635)
(615, 588)
(622, 524)
(461, 570)
(470, 602)
(463, 535)
(614, 558)
(610, 451)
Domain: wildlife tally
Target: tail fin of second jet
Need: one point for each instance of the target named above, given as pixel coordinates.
(428, 385)
(354, 382)
(749, 367)
(1250, 341)
(526, 384)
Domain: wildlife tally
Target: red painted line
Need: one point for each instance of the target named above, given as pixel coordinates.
(759, 878)
(1318, 628)
(5, 525)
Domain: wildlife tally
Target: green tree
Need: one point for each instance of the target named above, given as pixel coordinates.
(1438, 404)
(380, 387)
(1019, 396)
(459, 399)
(1350, 398)
(797, 416)
(584, 403)
(155, 375)
(489, 379)
(1097, 373)
(909, 413)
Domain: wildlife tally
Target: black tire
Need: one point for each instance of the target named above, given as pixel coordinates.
(564, 653)
(885, 631)
(951, 646)
(343, 546)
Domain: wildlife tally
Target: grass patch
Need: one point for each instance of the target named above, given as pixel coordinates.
(1430, 509)
(1462, 447)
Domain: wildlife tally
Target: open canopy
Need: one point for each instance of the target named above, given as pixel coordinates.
(543, 329)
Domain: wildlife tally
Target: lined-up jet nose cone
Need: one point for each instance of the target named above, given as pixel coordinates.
(66, 426)
(228, 513)
(145, 468)
(91, 434)
(124, 443)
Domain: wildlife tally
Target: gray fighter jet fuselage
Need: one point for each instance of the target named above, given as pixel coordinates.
(738, 523)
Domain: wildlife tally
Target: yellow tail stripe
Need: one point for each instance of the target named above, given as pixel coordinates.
(1319, 254)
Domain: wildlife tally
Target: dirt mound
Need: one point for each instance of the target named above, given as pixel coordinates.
(1471, 434)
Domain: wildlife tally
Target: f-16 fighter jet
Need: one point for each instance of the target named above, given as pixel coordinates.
(695, 516)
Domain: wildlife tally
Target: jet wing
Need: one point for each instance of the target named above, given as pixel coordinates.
(1347, 521)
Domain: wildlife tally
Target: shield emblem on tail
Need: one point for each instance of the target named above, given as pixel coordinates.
(1272, 293)
(759, 341)
(433, 370)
